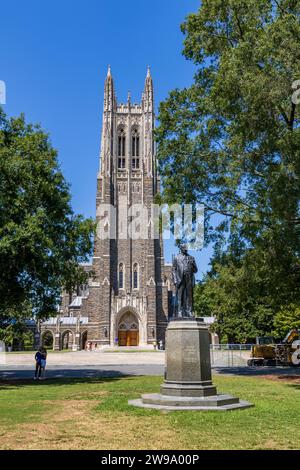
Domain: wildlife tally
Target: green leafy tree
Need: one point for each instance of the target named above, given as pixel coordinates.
(286, 319)
(15, 334)
(232, 142)
(202, 303)
(42, 241)
(230, 296)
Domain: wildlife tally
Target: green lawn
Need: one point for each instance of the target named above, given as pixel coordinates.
(94, 414)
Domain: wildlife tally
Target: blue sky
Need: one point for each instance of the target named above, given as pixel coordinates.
(54, 57)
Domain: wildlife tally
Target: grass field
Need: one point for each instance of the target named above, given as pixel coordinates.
(94, 414)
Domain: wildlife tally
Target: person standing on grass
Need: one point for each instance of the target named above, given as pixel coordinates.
(38, 367)
(43, 362)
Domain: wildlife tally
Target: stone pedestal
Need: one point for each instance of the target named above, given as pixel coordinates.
(56, 343)
(188, 382)
(188, 369)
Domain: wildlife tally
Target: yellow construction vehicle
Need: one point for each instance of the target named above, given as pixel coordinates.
(267, 353)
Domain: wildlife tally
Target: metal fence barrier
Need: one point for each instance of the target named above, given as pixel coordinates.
(230, 355)
(2, 353)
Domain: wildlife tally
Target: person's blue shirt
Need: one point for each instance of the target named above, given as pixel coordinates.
(38, 357)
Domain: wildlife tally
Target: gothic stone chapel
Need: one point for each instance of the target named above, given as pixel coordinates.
(128, 298)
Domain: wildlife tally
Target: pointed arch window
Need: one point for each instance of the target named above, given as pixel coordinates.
(121, 276)
(121, 149)
(135, 150)
(135, 276)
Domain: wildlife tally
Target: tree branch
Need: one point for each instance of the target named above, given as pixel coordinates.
(219, 36)
(280, 7)
(284, 115)
(220, 211)
(239, 25)
(292, 117)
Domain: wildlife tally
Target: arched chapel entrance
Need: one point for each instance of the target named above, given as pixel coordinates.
(128, 330)
(67, 340)
(84, 337)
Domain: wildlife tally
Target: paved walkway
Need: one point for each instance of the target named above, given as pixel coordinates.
(85, 358)
(113, 364)
(59, 372)
(86, 364)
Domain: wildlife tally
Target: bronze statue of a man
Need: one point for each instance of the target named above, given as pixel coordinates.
(183, 272)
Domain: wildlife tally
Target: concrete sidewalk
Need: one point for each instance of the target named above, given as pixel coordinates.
(106, 363)
(81, 372)
(115, 370)
(86, 358)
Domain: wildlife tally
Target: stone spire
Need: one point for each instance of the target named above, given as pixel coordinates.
(109, 93)
(148, 95)
(107, 127)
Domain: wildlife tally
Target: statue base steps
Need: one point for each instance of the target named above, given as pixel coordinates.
(171, 403)
(188, 390)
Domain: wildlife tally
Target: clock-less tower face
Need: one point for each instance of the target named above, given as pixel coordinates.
(128, 297)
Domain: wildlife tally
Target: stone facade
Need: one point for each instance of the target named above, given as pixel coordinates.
(129, 296)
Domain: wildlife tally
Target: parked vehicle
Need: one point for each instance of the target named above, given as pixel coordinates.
(267, 353)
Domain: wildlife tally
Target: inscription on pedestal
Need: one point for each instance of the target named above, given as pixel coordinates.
(190, 355)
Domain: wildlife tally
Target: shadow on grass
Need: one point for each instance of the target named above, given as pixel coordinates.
(99, 377)
(294, 386)
(256, 371)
